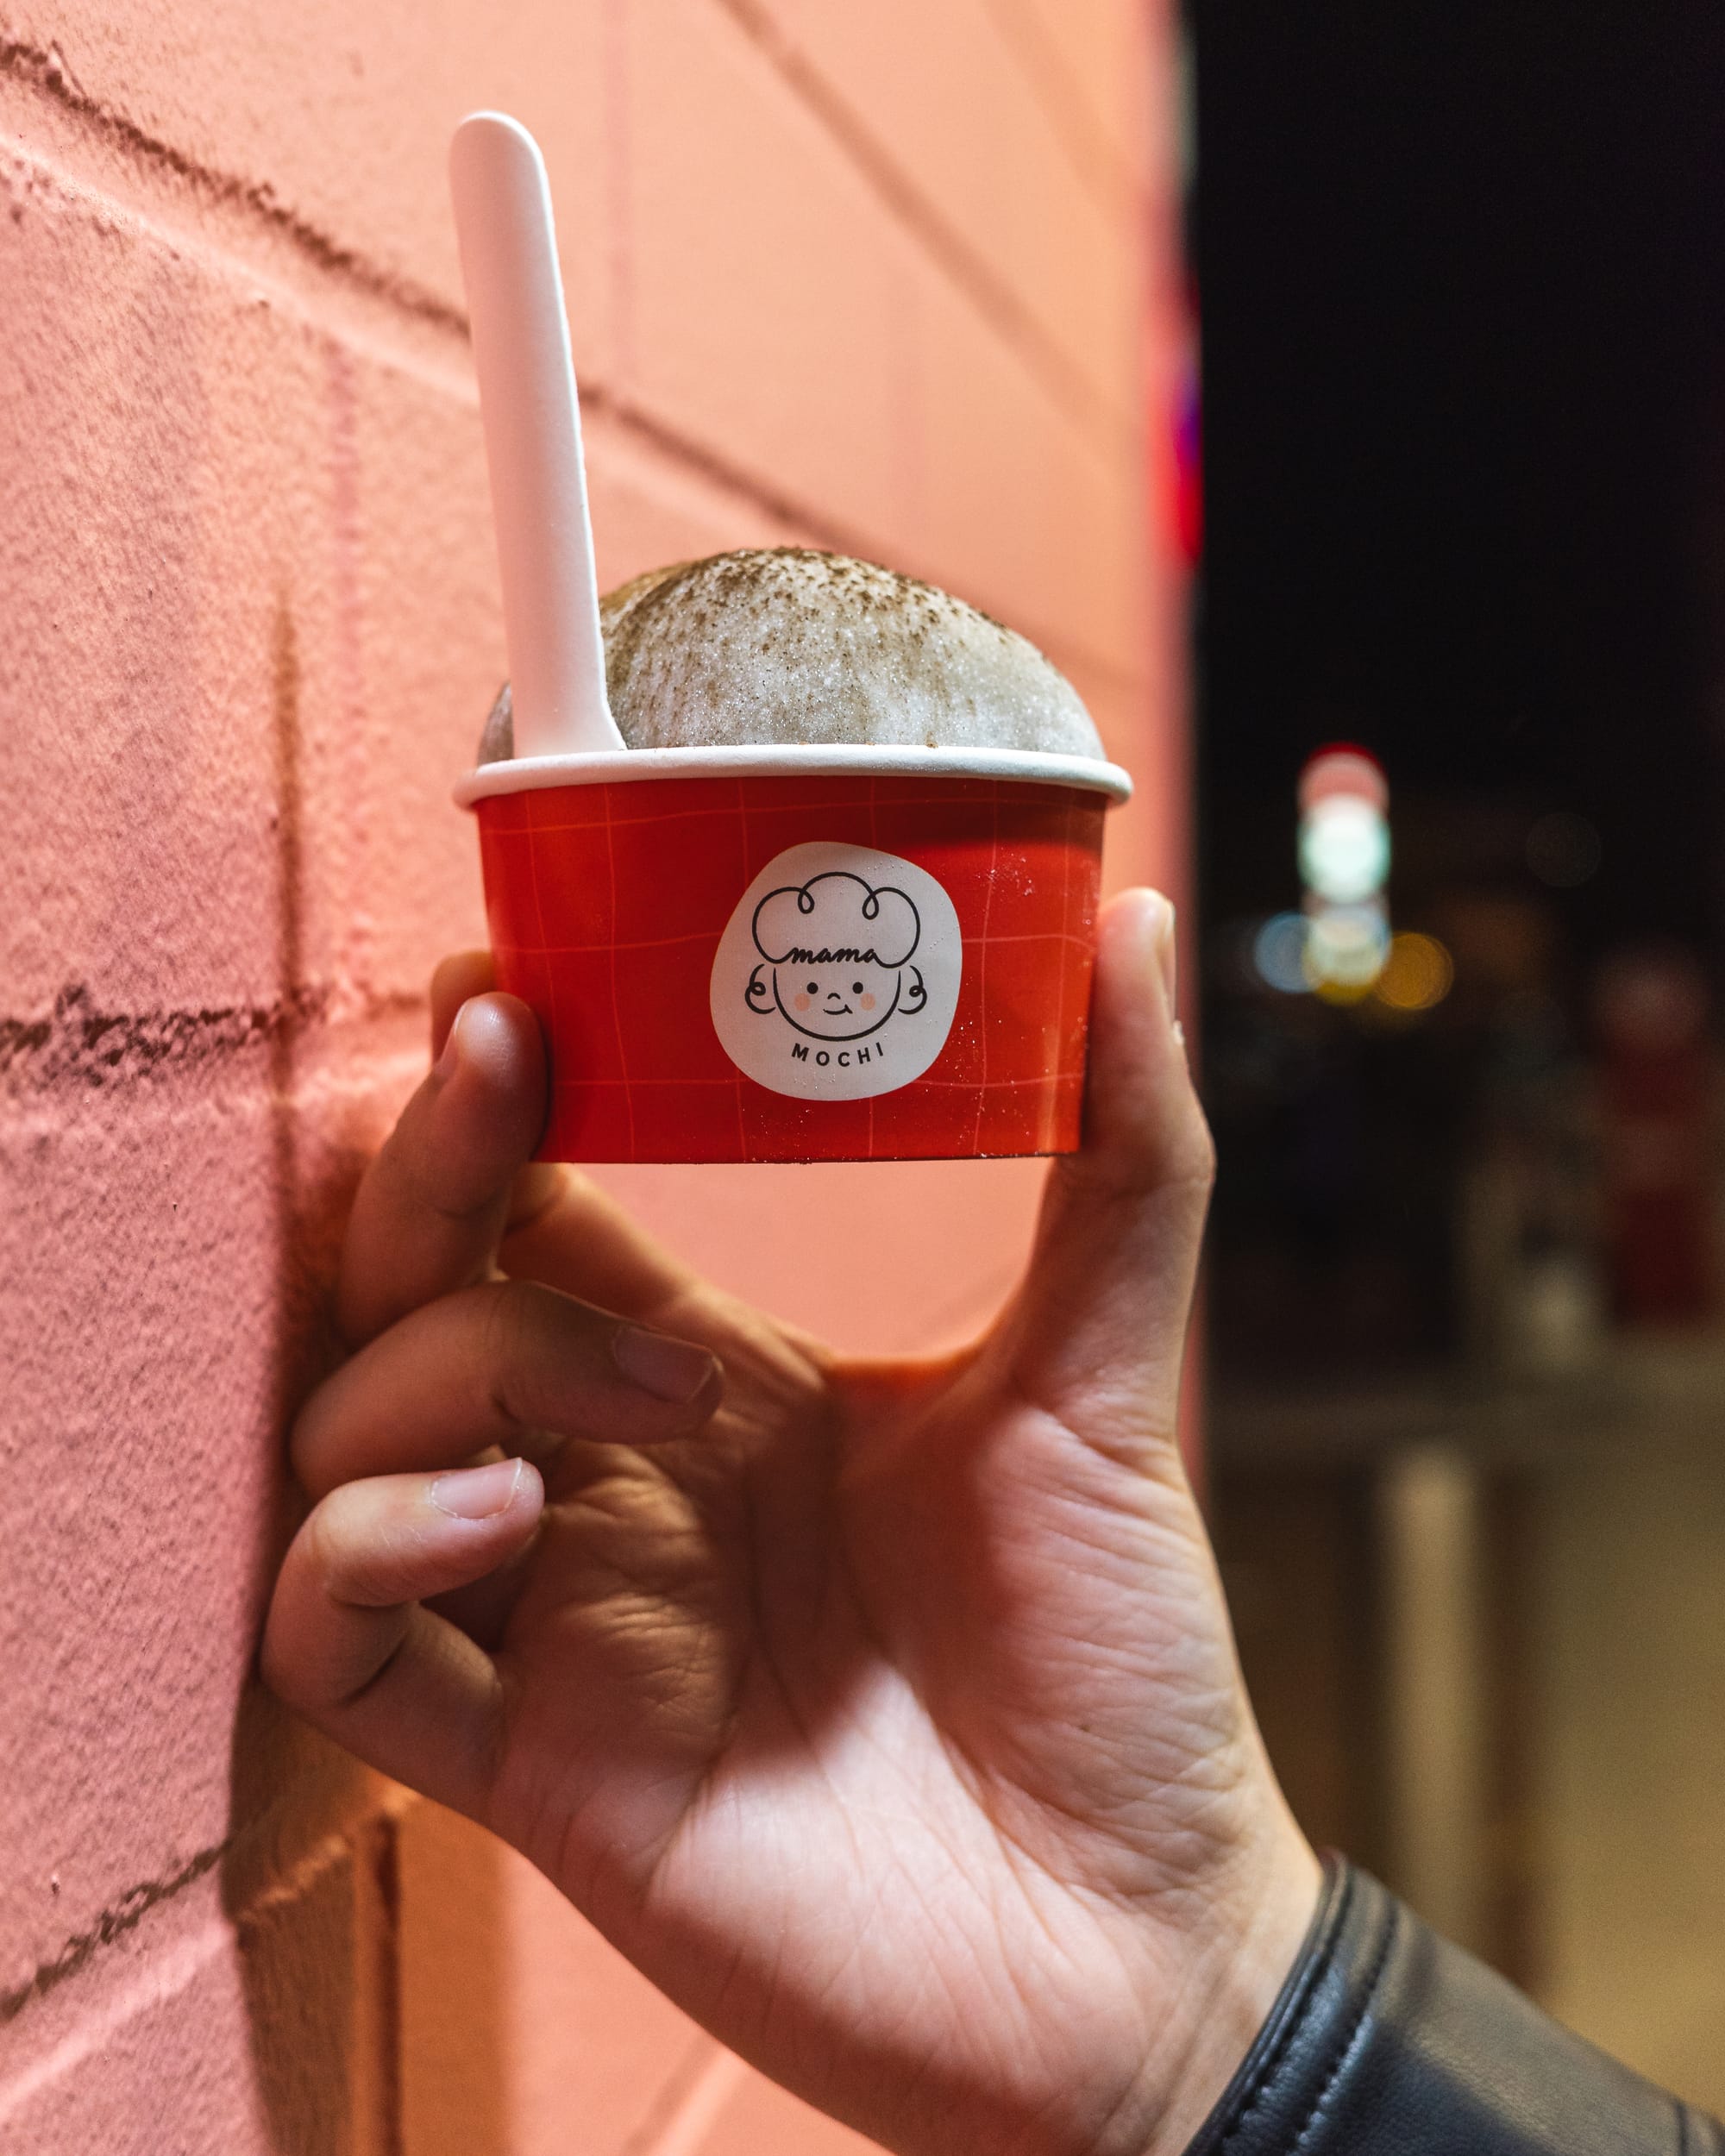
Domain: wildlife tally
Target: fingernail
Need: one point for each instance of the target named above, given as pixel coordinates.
(477, 1493)
(669, 1370)
(445, 1064)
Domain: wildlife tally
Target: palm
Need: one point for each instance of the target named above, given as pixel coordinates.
(886, 1716)
(838, 1641)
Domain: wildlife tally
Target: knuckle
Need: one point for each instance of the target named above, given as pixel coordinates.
(541, 1191)
(1199, 1151)
(1185, 1149)
(302, 1440)
(357, 1550)
(458, 1184)
(522, 1319)
(285, 1679)
(510, 1325)
(328, 1548)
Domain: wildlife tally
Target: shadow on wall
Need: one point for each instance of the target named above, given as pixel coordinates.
(312, 1873)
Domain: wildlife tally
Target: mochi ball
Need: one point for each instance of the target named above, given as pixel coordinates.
(784, 645)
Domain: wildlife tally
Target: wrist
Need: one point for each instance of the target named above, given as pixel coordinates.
(1243, 1948)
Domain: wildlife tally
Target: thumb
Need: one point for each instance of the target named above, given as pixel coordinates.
(1099, 1328)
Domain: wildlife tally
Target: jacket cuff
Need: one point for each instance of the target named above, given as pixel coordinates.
(1387, 2040)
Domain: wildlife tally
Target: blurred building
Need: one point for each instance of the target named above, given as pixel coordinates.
(1463, 305)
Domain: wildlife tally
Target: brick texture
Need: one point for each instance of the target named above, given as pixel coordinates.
(883, 278)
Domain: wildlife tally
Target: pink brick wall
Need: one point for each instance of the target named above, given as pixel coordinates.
(889, 279)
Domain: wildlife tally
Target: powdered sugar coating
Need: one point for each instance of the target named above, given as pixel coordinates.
(786, 645)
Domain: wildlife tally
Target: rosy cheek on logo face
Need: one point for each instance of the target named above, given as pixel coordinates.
(867, 1002)
(801, 1001)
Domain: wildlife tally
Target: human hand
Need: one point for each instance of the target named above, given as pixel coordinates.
(884, 1712)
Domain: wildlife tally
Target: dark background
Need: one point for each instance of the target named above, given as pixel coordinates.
(1459, 267)
(1461, 279)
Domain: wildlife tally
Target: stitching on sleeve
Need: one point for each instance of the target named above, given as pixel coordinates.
(1274, 2057)
(1314, 2116)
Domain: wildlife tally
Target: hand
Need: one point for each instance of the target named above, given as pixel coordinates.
(884, 1712)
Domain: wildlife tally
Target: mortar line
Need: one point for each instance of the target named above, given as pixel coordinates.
(44, 70)
(80, 1044)
(129, 1910)
(832, 533)
(44, 73)
(1071, 115)
(687, 456)
(113, 1922)
(671, 2095)
(380, 1841)
(682, 2129)
(1020, 325)
(163, 1977)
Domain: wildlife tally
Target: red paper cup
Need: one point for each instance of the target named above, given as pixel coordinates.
(799, 954)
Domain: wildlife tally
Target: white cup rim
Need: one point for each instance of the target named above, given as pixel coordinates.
(799, 759)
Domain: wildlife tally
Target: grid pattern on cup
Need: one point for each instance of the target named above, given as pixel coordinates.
(606, 904)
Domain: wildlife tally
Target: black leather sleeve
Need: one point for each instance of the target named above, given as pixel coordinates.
(1387, 2040)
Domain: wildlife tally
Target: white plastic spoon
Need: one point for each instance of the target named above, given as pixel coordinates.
(532, 418)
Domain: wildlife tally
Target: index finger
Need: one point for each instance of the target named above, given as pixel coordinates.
(434, 1203)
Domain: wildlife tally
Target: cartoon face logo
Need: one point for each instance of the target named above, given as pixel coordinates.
(836, 977)
(836, 956)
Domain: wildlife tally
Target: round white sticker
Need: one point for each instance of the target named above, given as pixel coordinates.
(837, 976)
